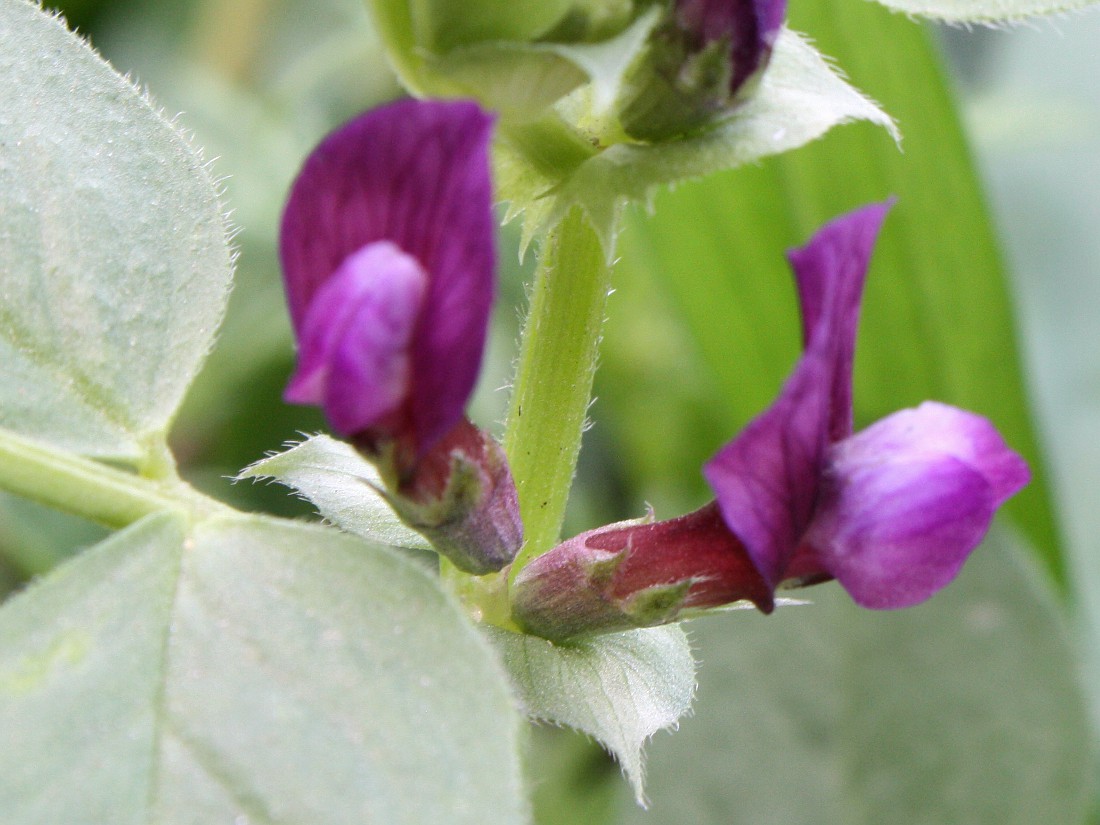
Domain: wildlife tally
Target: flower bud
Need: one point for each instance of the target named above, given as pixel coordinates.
(703, 59)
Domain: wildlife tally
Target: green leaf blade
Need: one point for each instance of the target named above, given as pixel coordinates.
(114, 261)
(100, 620)
(284, 673)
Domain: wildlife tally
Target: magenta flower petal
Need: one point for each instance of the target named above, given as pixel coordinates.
(766, 480)
(415, 174)
(906, 501)
(896, 532)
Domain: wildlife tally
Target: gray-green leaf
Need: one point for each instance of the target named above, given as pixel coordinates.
(114, 261)
(965, 710)
(342, 484)
(620, 688)
(984, 11)
(249, 670)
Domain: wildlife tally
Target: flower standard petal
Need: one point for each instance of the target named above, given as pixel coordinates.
(829, 273)
(905, 502)
(766, 480)
(417, 175)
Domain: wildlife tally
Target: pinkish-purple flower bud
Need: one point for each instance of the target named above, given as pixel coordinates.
(748, 27)
(462, 498)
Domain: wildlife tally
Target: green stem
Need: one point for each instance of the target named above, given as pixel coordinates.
(554, 379)
(90, 489)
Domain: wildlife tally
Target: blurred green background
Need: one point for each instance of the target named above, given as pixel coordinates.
(784, 731)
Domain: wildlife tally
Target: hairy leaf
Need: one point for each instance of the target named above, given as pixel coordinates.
(342, 484)
(621, 688)
(984, 11)
(248, 669)
(114, 262)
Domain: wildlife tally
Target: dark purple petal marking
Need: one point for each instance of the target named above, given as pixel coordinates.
(417, 175)
(766, 480)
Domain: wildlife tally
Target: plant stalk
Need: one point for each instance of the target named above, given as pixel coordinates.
(553, 385)
(90, 489)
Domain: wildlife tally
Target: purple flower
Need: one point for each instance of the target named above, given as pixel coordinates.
(388, 252)
(891, 512)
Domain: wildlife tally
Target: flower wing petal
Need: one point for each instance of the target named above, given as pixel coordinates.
(895, 533)
(907, 500)
(940, 429)
(354, 357)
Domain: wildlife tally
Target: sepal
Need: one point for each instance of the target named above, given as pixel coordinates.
(629, 576)
(460, 496)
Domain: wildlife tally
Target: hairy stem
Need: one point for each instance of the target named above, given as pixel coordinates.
(554, 378)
